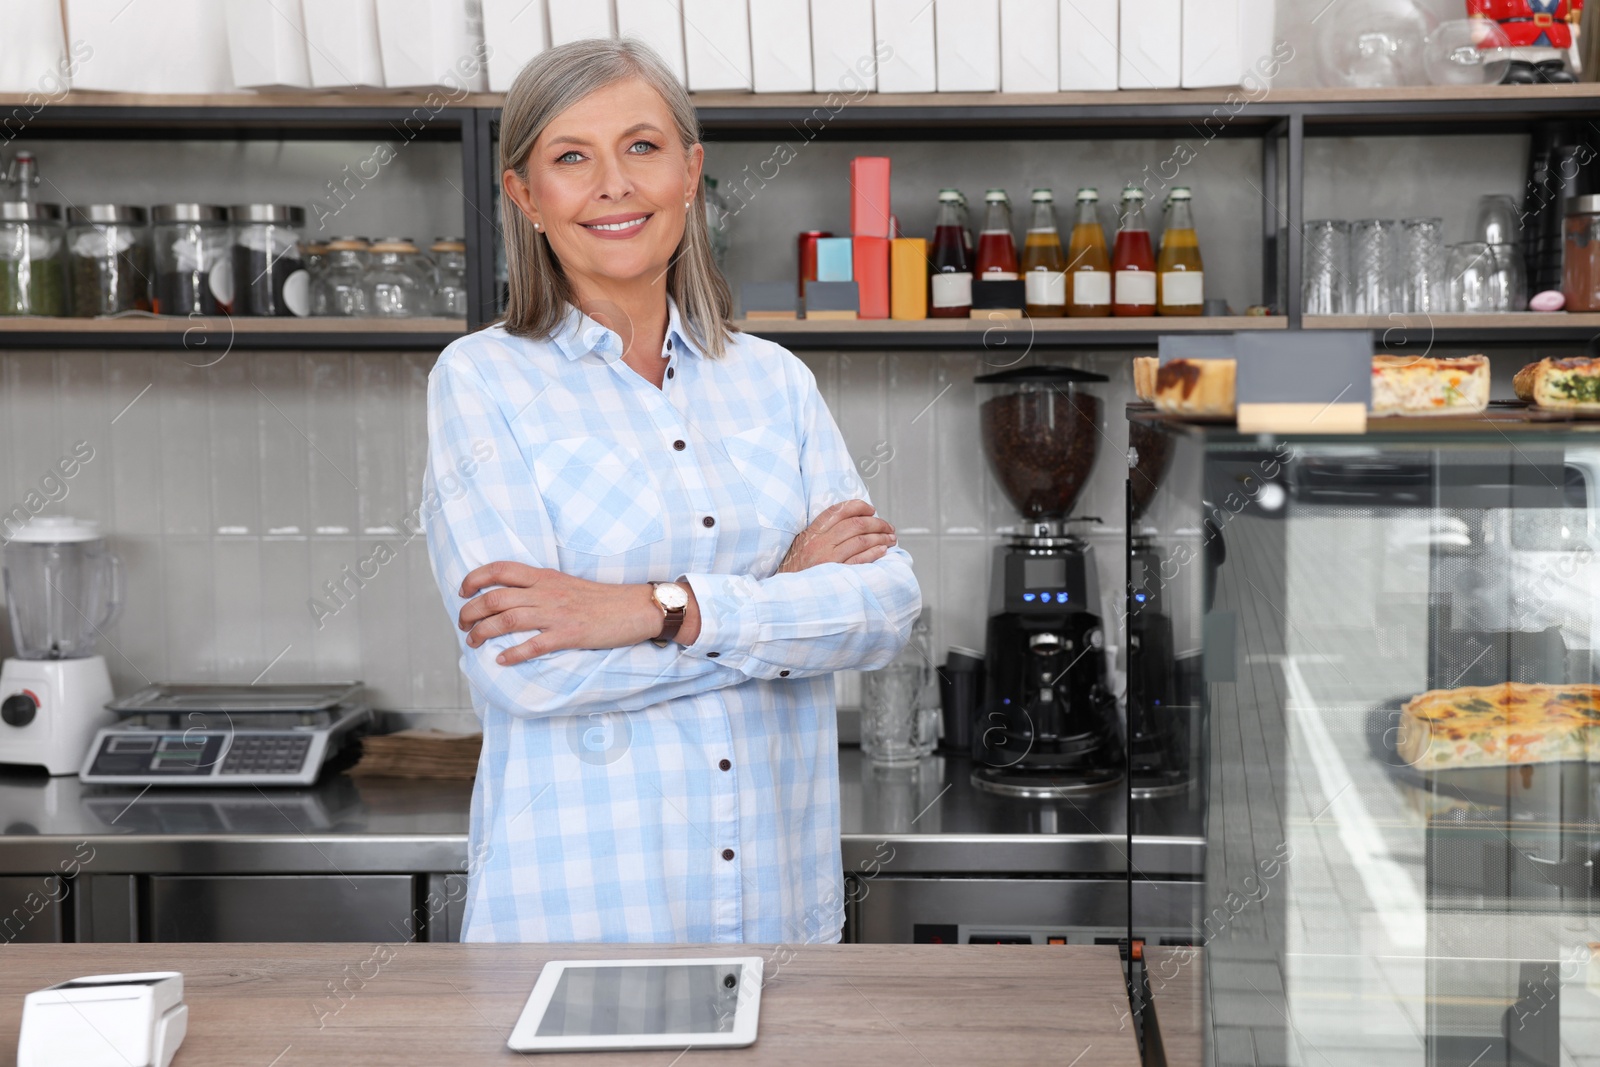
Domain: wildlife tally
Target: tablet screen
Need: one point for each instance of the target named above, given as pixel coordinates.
(685, 999)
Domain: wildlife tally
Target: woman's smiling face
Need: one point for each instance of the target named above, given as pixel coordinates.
(608, 182)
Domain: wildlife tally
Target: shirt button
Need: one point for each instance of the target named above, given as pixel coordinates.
(727, 853)
(669, 344)
(671, 373)
(725, 766)
(783, 674)
(712, 655)
(679, 445)
(708, 522)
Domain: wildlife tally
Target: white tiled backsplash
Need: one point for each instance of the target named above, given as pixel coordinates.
(247, 500)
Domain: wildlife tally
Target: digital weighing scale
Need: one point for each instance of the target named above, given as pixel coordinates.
(211, 735)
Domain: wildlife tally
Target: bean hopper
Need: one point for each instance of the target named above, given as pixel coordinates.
(63, 587)
(1047, 726)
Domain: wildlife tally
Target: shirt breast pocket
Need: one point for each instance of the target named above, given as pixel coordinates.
(769, 463)
(600, 498)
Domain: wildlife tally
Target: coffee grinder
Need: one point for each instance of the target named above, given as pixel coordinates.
(1158, 763)
(1047, 726)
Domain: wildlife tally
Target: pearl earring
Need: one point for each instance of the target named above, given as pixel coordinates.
(537, 226)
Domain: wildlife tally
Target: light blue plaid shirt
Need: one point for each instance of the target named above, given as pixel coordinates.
(643, 793)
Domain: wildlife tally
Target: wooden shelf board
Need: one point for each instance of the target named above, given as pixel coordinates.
(178, 324)
(1419, 321)
(937, 327)
(409, 98)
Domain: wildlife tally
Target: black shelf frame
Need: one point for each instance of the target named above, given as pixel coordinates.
(1282, 122)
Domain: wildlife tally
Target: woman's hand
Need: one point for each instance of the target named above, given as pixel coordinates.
(850, 532)
(568, 612)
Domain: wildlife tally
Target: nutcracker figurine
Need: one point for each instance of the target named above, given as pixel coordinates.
(1541, 34)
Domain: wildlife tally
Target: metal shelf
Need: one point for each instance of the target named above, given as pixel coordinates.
(207, 340)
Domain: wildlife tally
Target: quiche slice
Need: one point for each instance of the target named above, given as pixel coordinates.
(1144, 377)
(1500, 725)
(1571, 384)
(1423, 385)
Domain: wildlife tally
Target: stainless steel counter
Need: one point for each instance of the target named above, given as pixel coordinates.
(927, 817)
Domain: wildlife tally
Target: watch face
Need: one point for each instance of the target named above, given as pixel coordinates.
(672, 596)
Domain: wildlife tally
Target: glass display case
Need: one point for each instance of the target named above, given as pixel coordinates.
(1363, 667)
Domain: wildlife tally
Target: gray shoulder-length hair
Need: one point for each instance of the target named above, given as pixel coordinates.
(540, 291)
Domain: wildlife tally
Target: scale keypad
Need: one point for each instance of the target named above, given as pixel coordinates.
(266, 754)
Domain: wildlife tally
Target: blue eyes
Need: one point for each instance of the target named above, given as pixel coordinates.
(576, 156)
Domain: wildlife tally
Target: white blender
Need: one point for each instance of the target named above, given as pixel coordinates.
(62, 586)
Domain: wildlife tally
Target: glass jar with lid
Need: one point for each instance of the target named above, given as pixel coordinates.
(397, 283)
(1580, 271)
(449, 277)
(338, 289)
(33, 244)
(108, 259)
(268, 270)
(314, 251)
(193, 274)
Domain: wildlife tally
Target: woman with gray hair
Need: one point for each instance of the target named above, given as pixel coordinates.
(655, 545)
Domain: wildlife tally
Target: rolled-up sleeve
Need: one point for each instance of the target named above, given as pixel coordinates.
(830, 617)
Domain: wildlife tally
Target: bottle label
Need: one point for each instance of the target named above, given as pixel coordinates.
(1183, 288)
(998, 276)
(1091, 288)
(1046, 288)
(952, 290)
(1136, 287)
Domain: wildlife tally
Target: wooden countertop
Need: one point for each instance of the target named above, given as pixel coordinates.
(1174, 1027)
(418, 1003)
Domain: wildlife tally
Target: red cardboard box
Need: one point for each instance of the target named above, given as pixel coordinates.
(869, 262)
(869, 196)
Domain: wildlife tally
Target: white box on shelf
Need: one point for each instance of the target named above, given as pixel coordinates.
(34, 58)
(780, 46)
(342, 44)
(1030, 46)
(1088, 40)
(185, 50)
(1227, 42)
(659, 24)
(573, 20)
(1151, 44)
(432, 42)
(904, 32)
(844, 56)
(267, 44)
(716, 44)
(514, 31)
(968, 44)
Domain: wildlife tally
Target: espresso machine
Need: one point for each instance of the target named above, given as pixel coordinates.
(1047, 725)
(63, 587)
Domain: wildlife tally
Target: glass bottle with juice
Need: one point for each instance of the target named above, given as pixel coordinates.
(1043, 263)
(966, 226)
(1133, 260)
(1088, 264)
(1180, 273)
(997, 248)
(950, 269)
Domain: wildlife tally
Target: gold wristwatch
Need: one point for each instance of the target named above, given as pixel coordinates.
(673, 600)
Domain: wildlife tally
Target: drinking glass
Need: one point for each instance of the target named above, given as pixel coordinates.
(1509, 282)
(1471, 277)
(1324, 289)
(894, 728)
(1422, 265)
(1499, 221)
(1374, 266)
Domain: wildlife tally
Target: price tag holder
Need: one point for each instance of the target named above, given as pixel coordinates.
(1300, 381)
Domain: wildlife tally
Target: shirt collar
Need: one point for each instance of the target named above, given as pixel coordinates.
(578, 335)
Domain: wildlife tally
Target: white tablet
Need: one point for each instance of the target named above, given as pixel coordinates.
(599, 1005)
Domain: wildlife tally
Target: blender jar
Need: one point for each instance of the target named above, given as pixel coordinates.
(63, 586)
